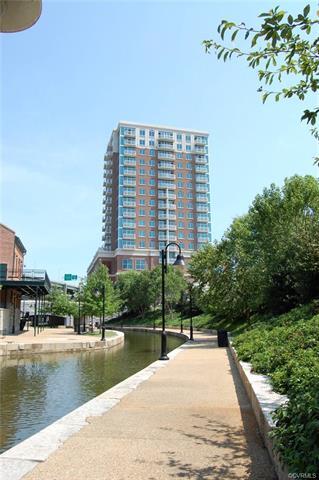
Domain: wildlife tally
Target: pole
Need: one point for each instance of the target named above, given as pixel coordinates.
(14, 313)
(103, 318)
(164, 335)
(191, 336)
(35, 313)
(79, 321)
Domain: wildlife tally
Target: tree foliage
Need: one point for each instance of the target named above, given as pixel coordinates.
(60, 303)
(268, 260)
(141, 291)
(283, 46)
(92, 296)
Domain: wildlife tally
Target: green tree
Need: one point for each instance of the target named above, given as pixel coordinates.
(60, 303)
(92, 294)
(282, 47)
(136, 290)
(139, 291)
(268, 260)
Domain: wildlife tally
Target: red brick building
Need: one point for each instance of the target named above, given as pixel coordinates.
(12, 253)
(16, 282)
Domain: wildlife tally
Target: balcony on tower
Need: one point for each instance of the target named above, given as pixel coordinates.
(202, 228)
(166, 146)
(129, 203)
(129, 235)
(165, 135)
(165, 155)
(166, 185)
(201, 197)
(199, 150)
(201, 208)
(129, 142)
(166, 194)
(201, 169)
(129, 162)
(129, 172)
(166, 165)
(129, 151)
(201, 178)
(128, 181)
(129, 224)
(128, 192)
(201, 188)
(129, 213)
(129, 132)
(166, 175)
(166, 216)
(200, 140)
(200, 159)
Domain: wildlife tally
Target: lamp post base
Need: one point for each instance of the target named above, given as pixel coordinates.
(103, 334)
(191, 336)
(164, 347)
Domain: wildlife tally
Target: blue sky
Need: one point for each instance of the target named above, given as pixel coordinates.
(65, 84)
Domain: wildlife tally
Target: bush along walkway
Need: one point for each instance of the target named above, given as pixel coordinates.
(190, 419)
(286, 349)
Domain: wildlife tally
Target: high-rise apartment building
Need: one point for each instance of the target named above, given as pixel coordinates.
(155, 190)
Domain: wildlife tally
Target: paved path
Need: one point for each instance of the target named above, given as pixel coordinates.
(191, 420)
(48, 335)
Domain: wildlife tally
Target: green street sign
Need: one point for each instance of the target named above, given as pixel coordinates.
(69, 276)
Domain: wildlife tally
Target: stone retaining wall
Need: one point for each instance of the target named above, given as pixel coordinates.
(16, 349)
(264, 402)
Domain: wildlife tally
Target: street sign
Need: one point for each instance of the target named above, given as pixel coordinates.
(69, 276)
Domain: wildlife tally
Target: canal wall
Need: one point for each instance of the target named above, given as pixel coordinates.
(15, 349)
(148, 330)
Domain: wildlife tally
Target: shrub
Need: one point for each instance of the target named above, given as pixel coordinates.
(287, 349)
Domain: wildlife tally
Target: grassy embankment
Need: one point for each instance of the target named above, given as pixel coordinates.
(173, 320)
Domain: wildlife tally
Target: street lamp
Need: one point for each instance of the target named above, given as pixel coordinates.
(79, 320)
(190, 289)
(190, 282)
(97, 293)
(179, 262)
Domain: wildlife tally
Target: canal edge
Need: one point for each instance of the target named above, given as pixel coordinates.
(21, 459)
(14, 350)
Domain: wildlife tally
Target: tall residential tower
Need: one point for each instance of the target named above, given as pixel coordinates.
(155, 190)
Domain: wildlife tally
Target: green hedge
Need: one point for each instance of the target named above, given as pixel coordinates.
(286, 348)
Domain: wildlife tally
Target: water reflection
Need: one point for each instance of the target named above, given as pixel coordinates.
(37, 390)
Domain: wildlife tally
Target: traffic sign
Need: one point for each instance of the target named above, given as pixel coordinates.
(69, 276)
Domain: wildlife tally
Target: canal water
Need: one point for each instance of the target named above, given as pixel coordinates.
(37, 390)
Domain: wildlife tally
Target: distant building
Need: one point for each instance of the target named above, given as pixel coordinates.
(16, 282)
(155, 190)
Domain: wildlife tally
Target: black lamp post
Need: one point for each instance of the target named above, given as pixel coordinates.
(191, 336)
(97, 292)
(179, 262)
(79, 320)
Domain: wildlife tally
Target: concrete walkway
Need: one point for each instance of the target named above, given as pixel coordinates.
(191, 419)
(48, 335)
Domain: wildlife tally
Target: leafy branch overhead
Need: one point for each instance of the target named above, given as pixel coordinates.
(282, 46)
